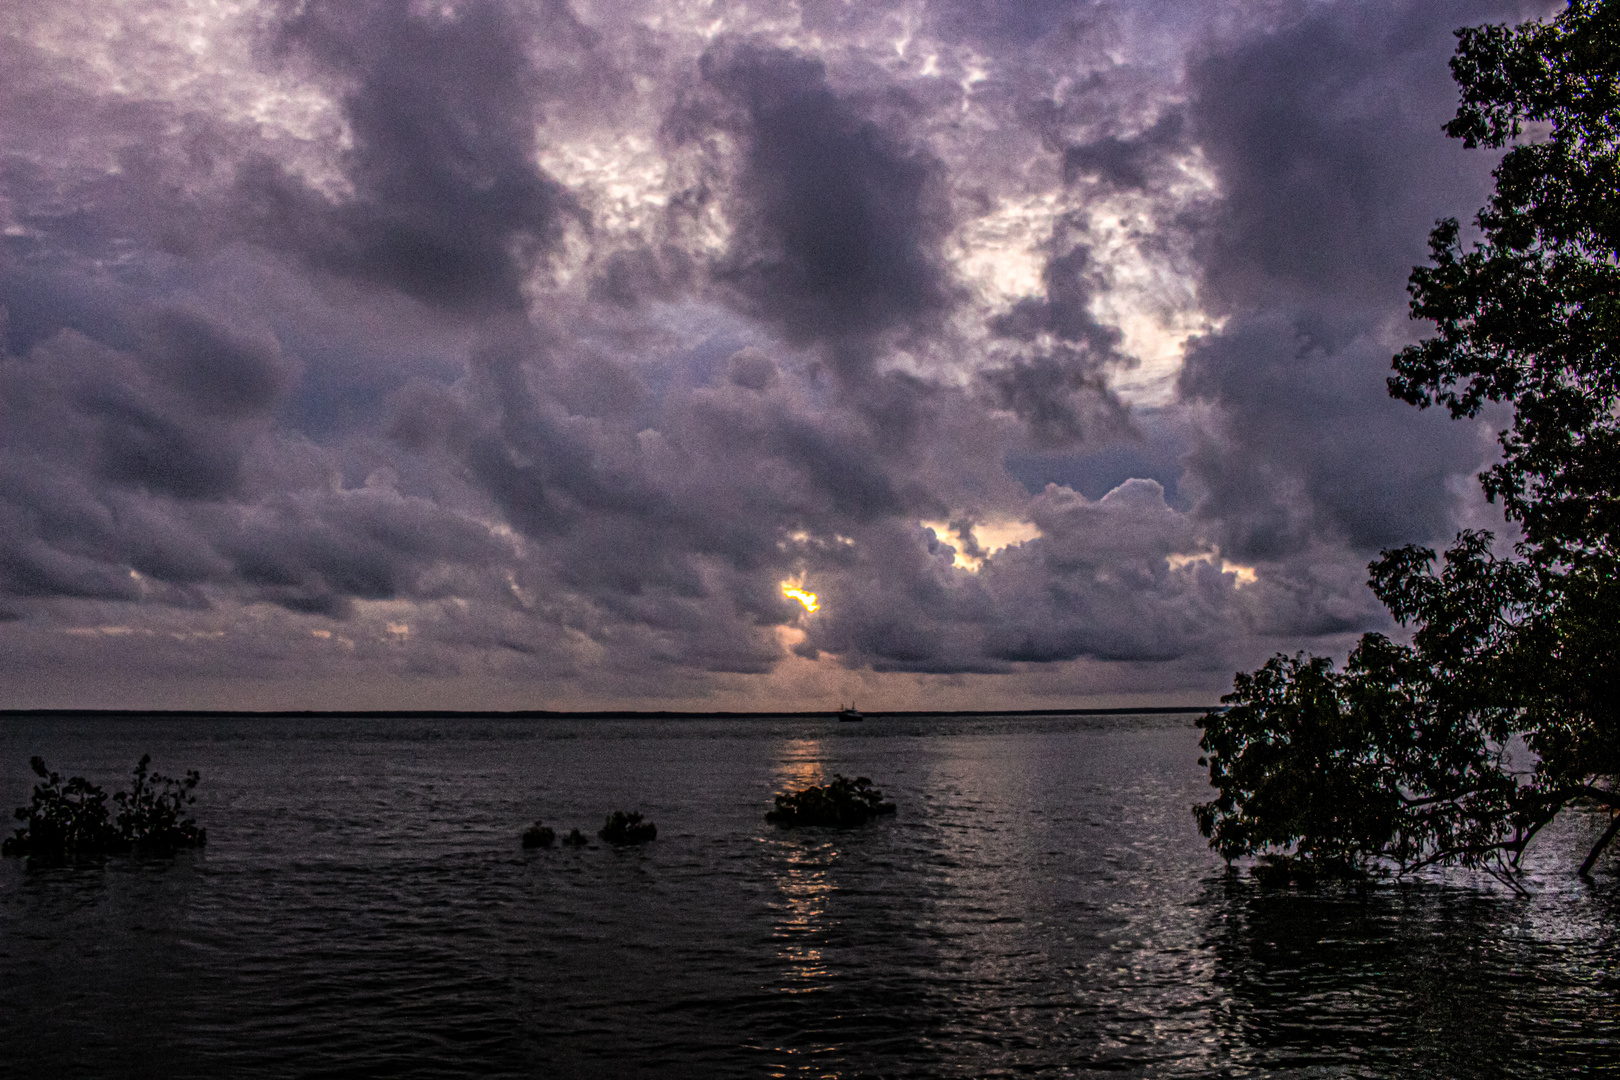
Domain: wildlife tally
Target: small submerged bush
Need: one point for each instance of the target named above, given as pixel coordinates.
(840, 804)
(64, 818)
(575, 838)
(67, 818)
(538, 836)
(153, 815)
(627, 828)
(1281, 871)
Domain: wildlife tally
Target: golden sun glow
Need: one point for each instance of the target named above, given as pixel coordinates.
(792, 591)
(1246, 575)
(991, 535)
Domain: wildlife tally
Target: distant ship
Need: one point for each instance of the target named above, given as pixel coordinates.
(851, 714)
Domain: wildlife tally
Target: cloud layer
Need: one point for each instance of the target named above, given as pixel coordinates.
(517, 353)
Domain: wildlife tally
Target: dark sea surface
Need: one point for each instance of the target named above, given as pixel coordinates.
(1042, 905)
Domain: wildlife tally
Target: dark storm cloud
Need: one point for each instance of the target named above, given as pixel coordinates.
(635, 275)
(838, 222)
(319, 552)
(149, 419)
(752, 369)
(140, 447)
(899, 609)
(448, 204)
(331, 374)
(1098, 583)
(1138, 161)
(1058, 382)
(1129, 578)
(669, 541)
(1323, 135)
(213, 368)
(1306, 447)
(730, 465)
(546, 467)
(1071, 281)
(176, 417)
(89, 215)
(1061, 394)
(1059, 387)
(1152, 449)
(139, 475)
(124, 184)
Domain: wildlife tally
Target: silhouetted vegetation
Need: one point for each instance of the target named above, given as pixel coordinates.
(627, 828)
(70, 818)
(1281, 871)
(575, 838)
(840, 804)
(1402, 758)
(538, 836)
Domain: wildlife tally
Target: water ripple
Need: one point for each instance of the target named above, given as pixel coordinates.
(1040, 907)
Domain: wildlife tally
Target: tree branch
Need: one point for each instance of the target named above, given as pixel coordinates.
(1608, 798)
(1603, 842)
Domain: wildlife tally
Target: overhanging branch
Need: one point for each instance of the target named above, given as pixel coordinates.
(1603, 842)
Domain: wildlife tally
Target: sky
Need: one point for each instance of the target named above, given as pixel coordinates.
(698, 354)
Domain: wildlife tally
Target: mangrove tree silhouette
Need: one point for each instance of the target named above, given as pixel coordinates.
(1401, 759)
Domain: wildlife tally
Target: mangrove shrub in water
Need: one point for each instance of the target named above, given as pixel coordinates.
(840, 804)
(538, 836)
(71, 817)
(1401, 758)
(627, 828)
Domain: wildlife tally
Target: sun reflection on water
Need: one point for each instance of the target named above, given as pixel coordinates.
(800, 765)
(801, 870)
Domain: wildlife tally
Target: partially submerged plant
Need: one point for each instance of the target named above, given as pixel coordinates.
(63, 818)
(627, 828)
(840, 804)
(575, 838)
(67, 818)
(537, 836)
(1281, 871)
(151, 815)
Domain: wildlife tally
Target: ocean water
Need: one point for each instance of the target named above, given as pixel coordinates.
(1042, 905)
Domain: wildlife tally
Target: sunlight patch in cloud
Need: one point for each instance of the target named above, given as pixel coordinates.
(793, 591)
(1002, 253)
(1151, 293)
(198, 54)
(989, 536)
(624, 181)
(1246, 575)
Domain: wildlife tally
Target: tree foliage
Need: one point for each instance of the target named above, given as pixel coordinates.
(841, 804)
(626, 827)
(1404, 758)
(69, 818)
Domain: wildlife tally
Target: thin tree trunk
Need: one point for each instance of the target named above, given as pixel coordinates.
(1614, 827)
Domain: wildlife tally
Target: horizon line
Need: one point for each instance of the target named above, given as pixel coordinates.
(596, 714)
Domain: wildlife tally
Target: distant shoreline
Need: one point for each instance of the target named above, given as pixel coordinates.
(545, 714)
